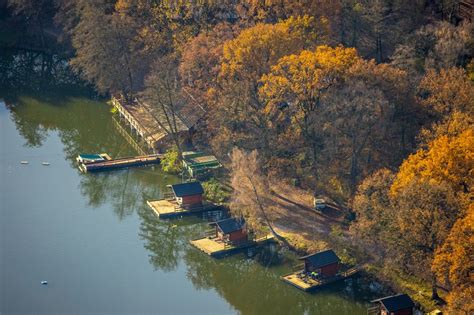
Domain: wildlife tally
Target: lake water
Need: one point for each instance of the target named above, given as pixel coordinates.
(102, 250)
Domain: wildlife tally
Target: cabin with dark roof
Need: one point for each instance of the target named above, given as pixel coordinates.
(231, 230)
(188, 195)
(400, 304)
(325, 263)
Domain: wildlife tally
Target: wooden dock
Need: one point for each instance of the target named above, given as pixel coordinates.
(305, 282)
(136, 142)
(121, 163)
(145, 121)
(169, 209)
(216, 248)
(92, 158)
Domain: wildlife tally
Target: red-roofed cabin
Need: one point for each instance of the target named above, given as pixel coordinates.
(325, 263)
(400, 304)
(231, 230)
(188, 195)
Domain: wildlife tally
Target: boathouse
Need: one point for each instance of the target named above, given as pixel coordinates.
(198, 164)
(188, 195)
(151, 125)
(400, 304)
(325, 263)
(231, 230)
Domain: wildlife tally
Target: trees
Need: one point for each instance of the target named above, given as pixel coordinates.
(340, 105)
(163, 98)
(374, 213)
(447, 159)
(251, 190)
(37, 12)
(453, 264)
(296, 85)
(425, 212)
(105, 53)
(200, 62)
(365, 115)
(438, 45)
(446, 91)
(245, 59)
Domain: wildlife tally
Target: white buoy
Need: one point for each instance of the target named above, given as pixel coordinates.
(24, 162)
(46, 163)
(44, 282)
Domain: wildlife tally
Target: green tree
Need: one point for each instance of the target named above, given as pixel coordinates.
(171, 161)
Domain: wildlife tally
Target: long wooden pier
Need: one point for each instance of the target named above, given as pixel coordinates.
(121, 163)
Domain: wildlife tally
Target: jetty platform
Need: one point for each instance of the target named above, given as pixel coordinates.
(169, 208)
(150, 124)
(217, 248)
(91, 158)
(304, 281)
(114, 164)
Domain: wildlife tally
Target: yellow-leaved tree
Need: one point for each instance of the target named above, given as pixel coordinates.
(446, 159)
(244, 60)
(454, 265)
(294, 87)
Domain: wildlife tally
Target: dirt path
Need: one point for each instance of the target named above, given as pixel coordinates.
(293, 214)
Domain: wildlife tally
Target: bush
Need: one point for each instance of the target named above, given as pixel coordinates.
(215, 191)
(171, 162)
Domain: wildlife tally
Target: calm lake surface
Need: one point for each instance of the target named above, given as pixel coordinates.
(92, 237)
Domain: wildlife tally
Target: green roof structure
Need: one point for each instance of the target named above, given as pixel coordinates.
(199, 163)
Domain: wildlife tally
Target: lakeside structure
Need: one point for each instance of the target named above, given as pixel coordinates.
(228, 237)
(103, 162)
(181, 200)
(199, 164)
(319, 269)
(147, 123)
(400, 304)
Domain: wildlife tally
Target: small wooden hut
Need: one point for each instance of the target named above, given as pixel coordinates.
(400, 304)
(231, 230)
(188, 195)
(325, 263)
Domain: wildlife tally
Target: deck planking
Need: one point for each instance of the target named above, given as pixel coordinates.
(169, 209)
(214, 247)
(302, 281)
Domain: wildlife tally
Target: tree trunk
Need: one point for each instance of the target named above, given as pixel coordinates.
(280, 238)
(434, 288)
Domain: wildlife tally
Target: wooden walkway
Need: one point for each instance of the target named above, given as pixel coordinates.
(136, 144)
(305, 282)
(121, 163)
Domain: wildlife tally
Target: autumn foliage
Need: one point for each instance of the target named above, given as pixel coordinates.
(367, 102)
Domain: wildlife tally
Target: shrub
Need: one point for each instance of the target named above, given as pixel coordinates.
(215, 191)
(171, 162)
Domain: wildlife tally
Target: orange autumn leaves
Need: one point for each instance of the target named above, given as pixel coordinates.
(447, 159)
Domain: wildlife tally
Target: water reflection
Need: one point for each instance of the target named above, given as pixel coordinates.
(165, 240)
(85, 126)
(34, 70)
